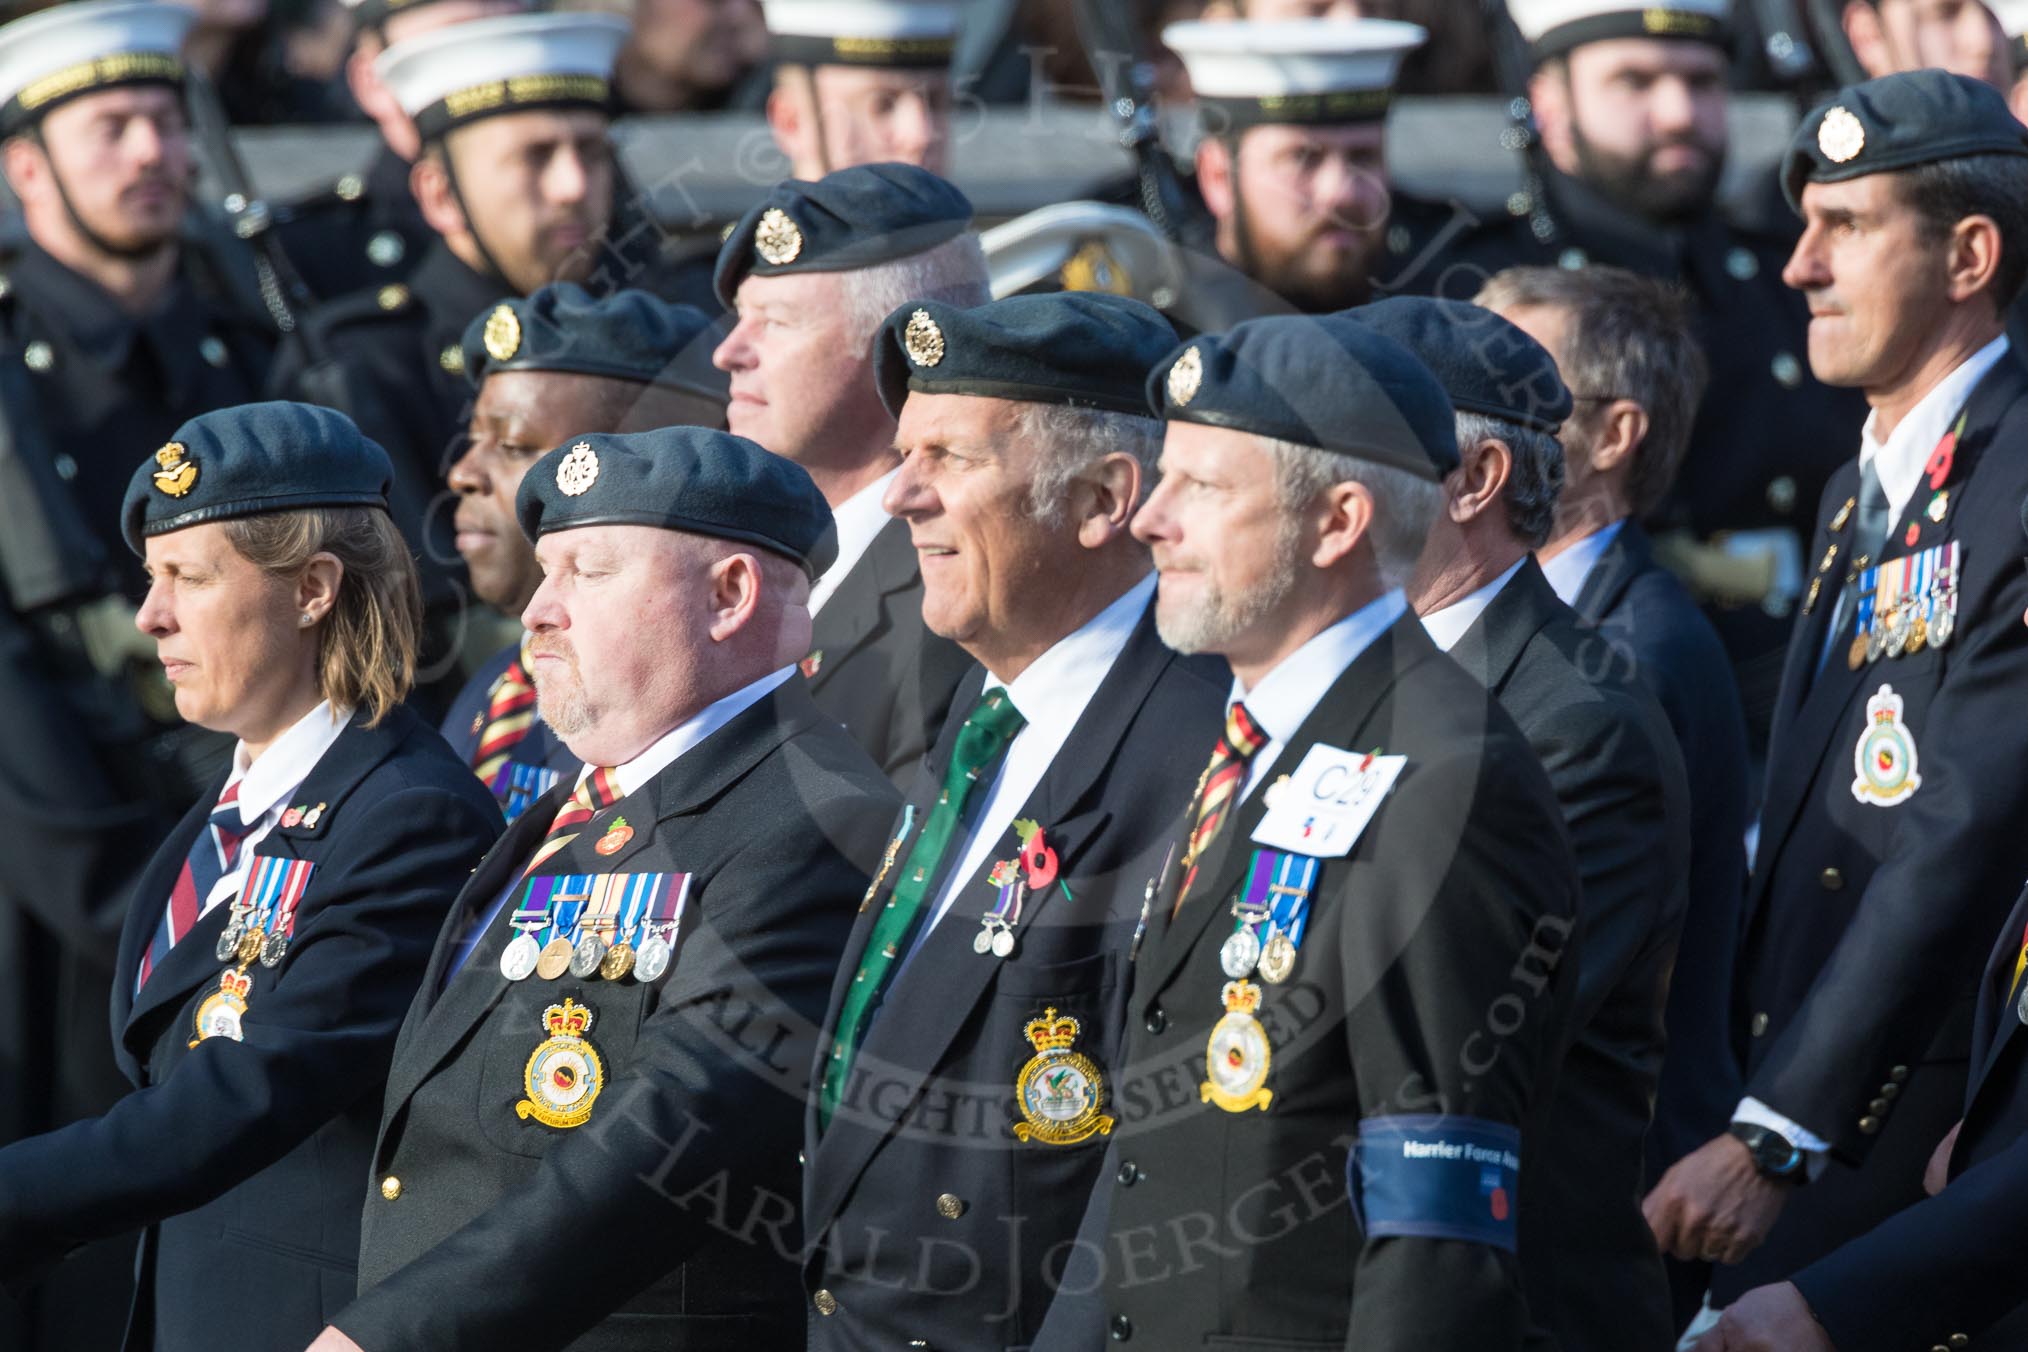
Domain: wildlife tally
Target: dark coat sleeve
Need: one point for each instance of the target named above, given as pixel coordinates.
(679, 1148)
(314, 1043)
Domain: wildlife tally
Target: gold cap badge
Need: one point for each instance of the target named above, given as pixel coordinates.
(1841, 136)
(578, 470)
(778, 239)
(1186, 376)
(923, 340)
(175, 474)
(503, 333)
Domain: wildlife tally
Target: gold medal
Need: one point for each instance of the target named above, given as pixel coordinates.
(250, 946)
(555, 959)
(1277, 958)
(1918, 635)
(1855, 656)
(564, 1074)
(1236, 1056)
(1060, 1092)
(618, 962)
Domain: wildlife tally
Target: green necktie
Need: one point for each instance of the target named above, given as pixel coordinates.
(980, 742)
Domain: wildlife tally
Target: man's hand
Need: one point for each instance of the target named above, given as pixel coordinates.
(1713, 1205)
(1938, 1172)
(1769, 1319)
(331, 1340)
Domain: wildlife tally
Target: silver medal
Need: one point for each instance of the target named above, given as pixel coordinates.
(1946, 622)
(2021, 1004)
(274, 950)
(517, 962)
(982, 942)
(228, 940)
(653, 959)
(1003, 943)
(585, 959)
(1278, 958)
(1239, 953)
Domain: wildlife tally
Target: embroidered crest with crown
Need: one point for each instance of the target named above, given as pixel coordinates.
(1883, 762)
(1236, 1057)
(564, 1074)
(219, 1013)
(1060, 1092)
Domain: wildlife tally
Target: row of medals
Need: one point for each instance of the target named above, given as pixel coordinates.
(242, 943)
(590, 956)
(1243, 953)
(1905, 631)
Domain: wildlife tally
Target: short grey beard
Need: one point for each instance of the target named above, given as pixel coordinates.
(1223, 617)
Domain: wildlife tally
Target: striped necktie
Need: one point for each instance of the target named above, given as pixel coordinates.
(1223, 777)
(212, 855)
(980, 742)
(510, 713)
(594, 793)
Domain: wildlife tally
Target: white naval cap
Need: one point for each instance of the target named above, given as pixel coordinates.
(889, 33)
(2012, 14)
(512, 63)
(1553, 27)
(1081, 246)
(68, 50)
(1248, 73)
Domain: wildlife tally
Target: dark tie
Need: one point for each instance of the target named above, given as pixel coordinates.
(1218, 790)
(212, 855)
(980, 742)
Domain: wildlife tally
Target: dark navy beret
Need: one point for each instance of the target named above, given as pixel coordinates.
(250, 460)
(1899, 121)
(680, 478)
(854, 218)
(1087, 349)
(1486, 364)
(1316, 380)
(629, 335)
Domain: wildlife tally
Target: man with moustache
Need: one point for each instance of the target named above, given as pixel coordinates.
(542, 370)
(811, 272)
(1890, 833)
(1292, 165)
(114, 330)
(1326, 1120)
(992, 954)
(1629, 101)
(591, 1120)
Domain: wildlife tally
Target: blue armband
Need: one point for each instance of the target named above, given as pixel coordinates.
(1436, 1177)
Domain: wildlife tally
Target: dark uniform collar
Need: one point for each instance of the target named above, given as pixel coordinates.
(1608, 233)
(104, 332)
(452, 290)
(386, 179)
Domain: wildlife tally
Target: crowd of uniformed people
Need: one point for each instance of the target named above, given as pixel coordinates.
(1267, 762)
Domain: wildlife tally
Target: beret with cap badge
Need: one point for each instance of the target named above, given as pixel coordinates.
(1898, 121)
(1486, 364)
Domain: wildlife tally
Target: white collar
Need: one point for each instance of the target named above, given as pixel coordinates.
(858, 520)
(1066, 676)
(1573, 564)
(287, 762)
(1287, 694)
(1901, 459)
(664, 750)
(1448, 625)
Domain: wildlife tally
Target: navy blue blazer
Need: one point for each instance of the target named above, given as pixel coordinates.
(242, 1159)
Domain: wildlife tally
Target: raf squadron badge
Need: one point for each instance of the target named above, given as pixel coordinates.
(219, 1014)
(1060, 1091)
(1884, 759)
(175, 474)
(1236, 1057)
(564, 1074)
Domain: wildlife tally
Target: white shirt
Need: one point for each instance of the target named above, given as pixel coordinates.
(1448, 625)
(1899, 461)
(1568, 570)
(265, 786)
(1286, 695)
(859, 518)
(664, 750)
(1051, 695)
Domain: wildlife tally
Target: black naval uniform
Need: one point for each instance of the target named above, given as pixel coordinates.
(1865, 919)
(1234, 1228)
(874, 666)
(1769, 437)
(1947, 1271)
(242, 1158)
(668, 1220)
(1595, 1274)
(921, 1163)
(358, 235)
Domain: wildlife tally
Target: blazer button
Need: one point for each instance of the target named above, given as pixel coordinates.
(1158, 1020)
(1890, 1090)
(1899, 1074)
(826, 1303)
(1879, 1107)
(1868, 1125)
(1960, 1340)
(950, 1206)
(1129, 1174)
(1759, 1024)
(1832, 880)
(390, 1187)
(1123, 1328)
